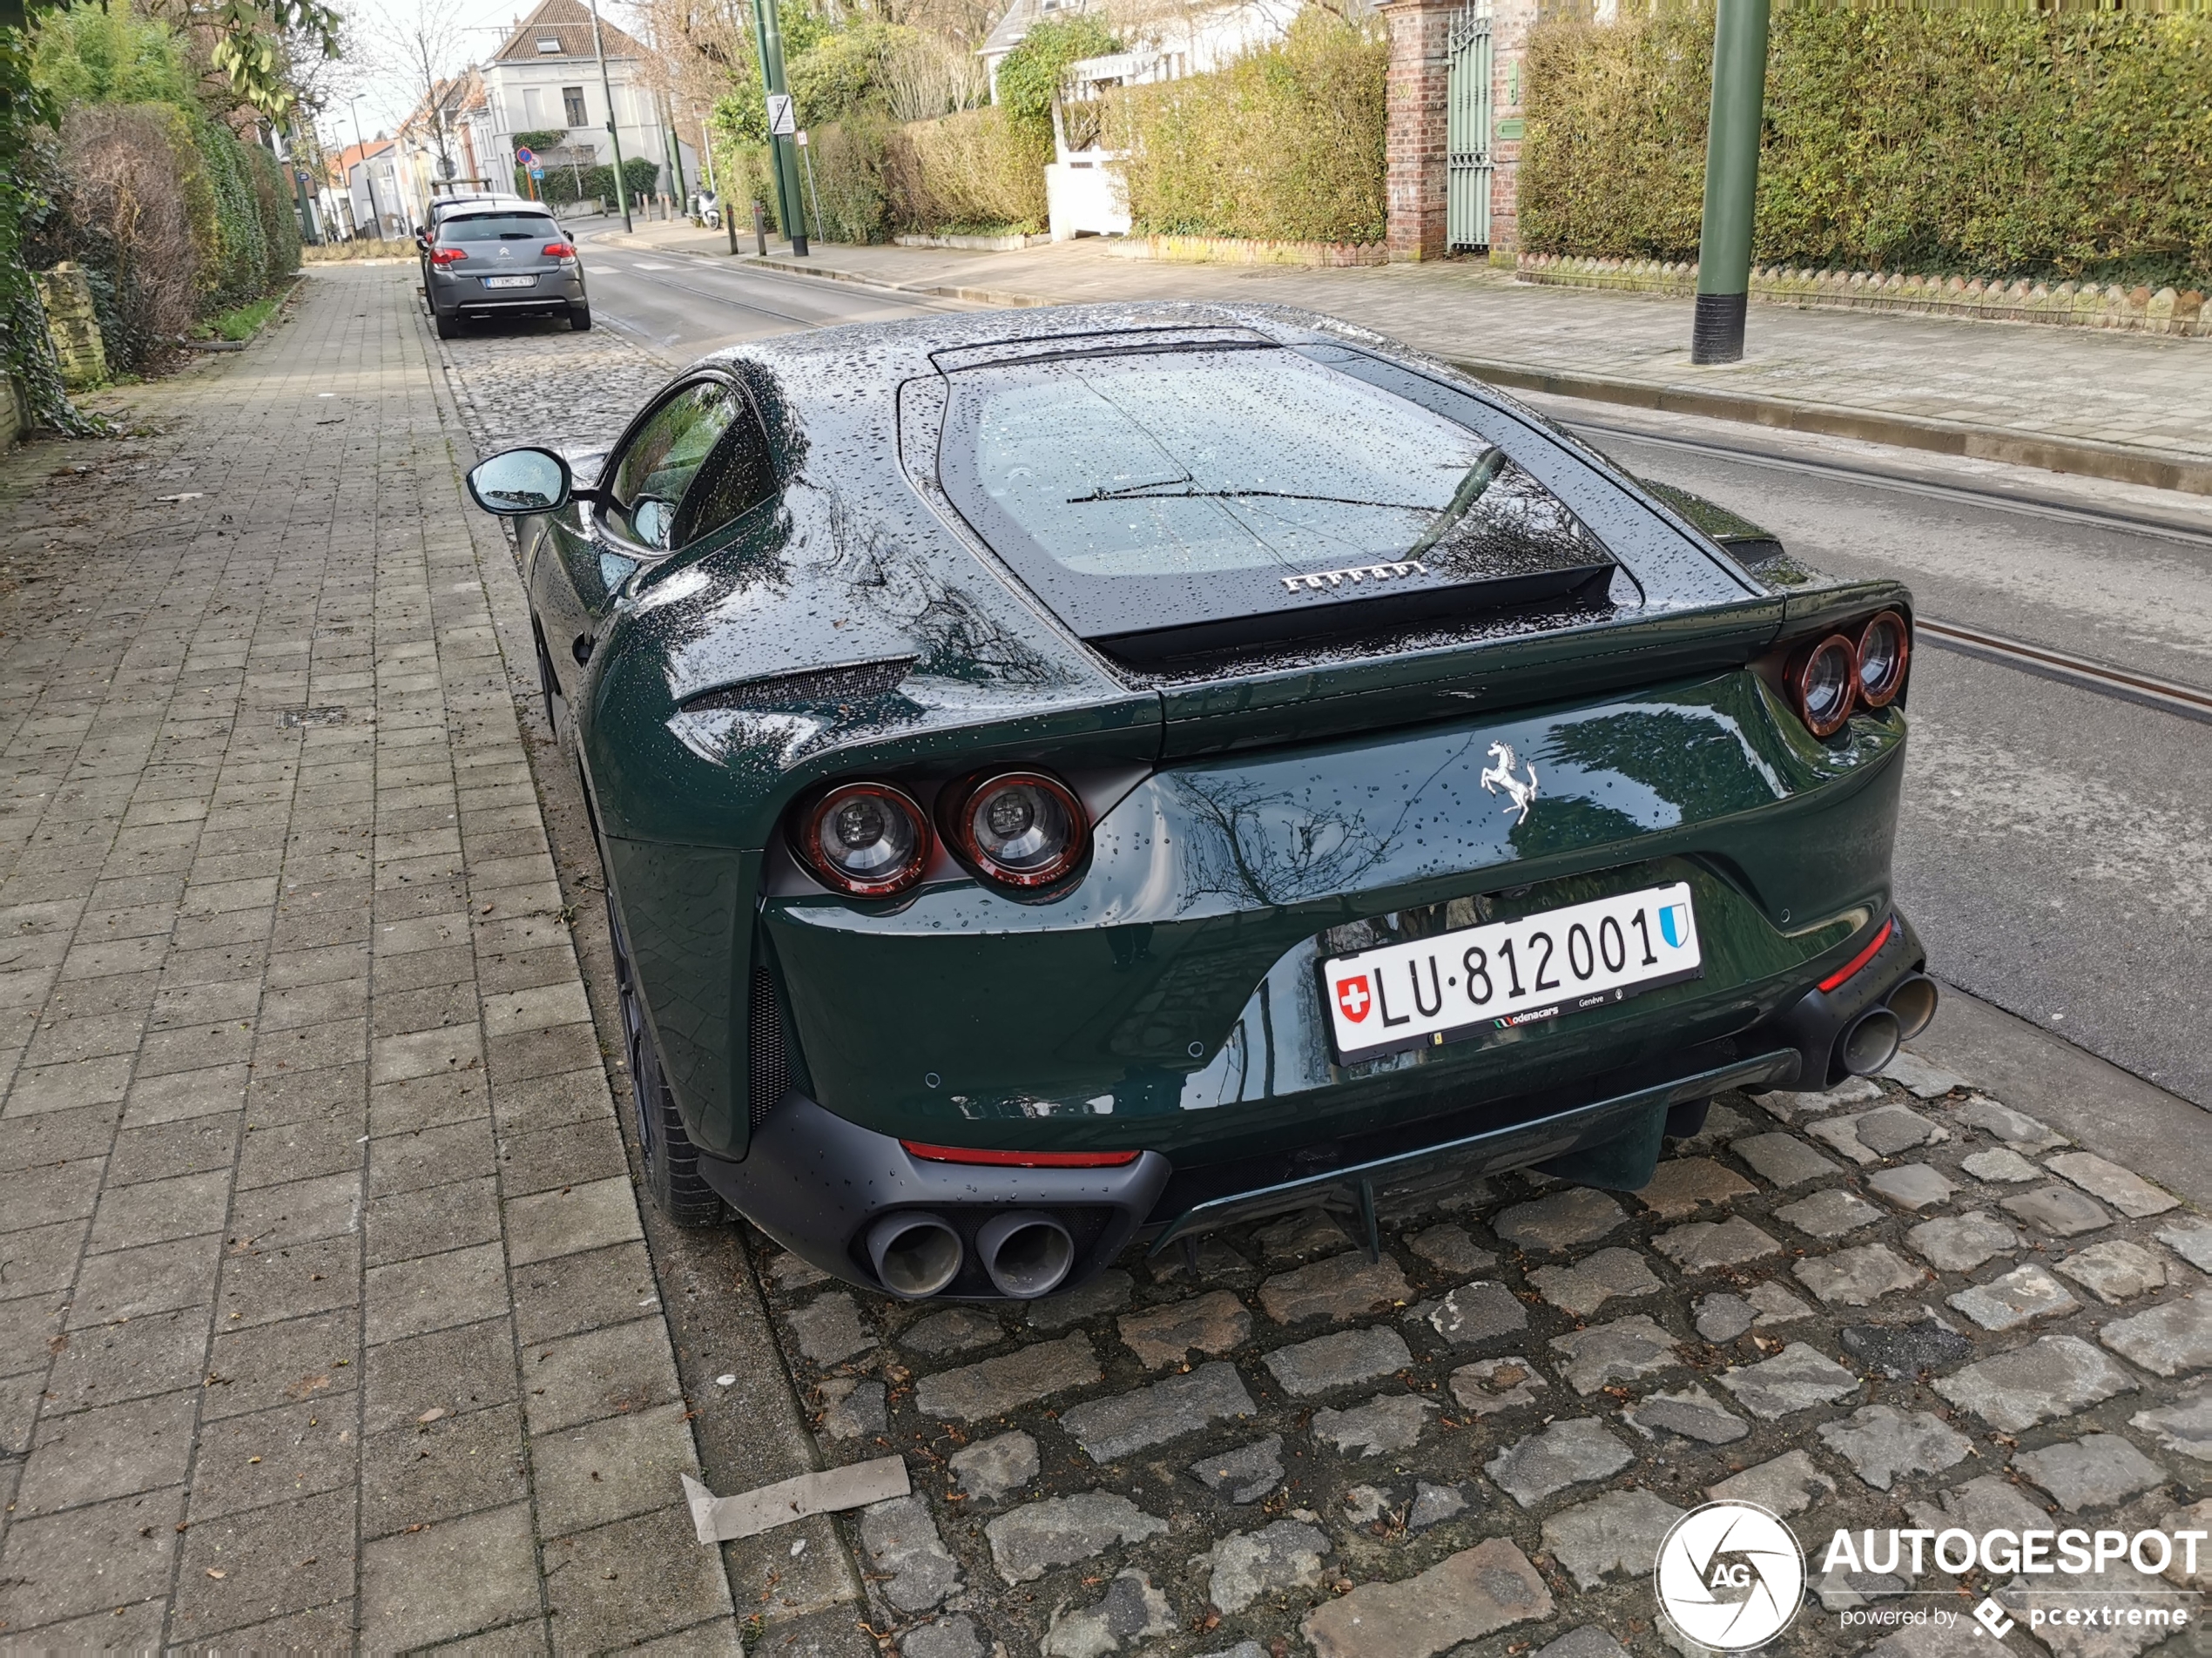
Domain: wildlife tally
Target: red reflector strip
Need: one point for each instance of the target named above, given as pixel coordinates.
(1861, 959)
(1022, 1159)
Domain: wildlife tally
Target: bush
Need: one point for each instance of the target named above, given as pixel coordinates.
(843, 73)
(559, 188)
(240, 269)
(2057, 144)
(134, 208)
(102, 54)
(748, 174)
(977, 171)
(848, 167)
(1285, 143)
(1029, 75)
(279, 213)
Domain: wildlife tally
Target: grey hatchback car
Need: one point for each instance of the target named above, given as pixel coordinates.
(510, 259)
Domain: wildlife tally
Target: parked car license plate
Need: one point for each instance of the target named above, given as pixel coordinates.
(510, 281)
(1429, 991)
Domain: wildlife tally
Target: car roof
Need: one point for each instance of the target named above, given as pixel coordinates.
(480, 198)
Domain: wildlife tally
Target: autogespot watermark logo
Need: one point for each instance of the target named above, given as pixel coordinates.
(1730, 1576)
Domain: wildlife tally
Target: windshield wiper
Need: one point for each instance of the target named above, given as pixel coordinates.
(1479, 477)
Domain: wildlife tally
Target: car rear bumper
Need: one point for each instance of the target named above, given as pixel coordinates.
(468, 297)
(816, 1182)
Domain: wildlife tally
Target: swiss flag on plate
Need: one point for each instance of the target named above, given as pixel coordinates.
(1354, 998)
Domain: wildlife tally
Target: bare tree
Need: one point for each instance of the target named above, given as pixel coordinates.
(925, 75)
(418, 44)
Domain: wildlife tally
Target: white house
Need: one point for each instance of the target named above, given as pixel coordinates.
(1163, 40)
(545, 78)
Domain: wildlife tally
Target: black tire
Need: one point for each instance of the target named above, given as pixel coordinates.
(580, 317)
(671, 1162)
(448, 326)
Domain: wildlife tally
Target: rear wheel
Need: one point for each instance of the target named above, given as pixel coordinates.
(671, 1162)
(580, 317)
(448, 326)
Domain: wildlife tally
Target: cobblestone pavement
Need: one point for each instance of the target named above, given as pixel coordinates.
(325, 1316)
(1900, 1304)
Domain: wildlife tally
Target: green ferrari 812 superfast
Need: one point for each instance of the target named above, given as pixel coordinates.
(1076, 779)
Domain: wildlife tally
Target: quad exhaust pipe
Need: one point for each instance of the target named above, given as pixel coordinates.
(1913, 1001)
(1870, 1042)
(915, 1254)
(1025, 1253)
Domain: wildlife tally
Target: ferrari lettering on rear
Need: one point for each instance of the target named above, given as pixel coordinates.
(1321, 579)
(1508, 974)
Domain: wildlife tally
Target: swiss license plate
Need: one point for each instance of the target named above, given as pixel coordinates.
(1429, 991)
(510, 281)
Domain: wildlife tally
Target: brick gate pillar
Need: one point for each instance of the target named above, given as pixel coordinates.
(1510, 22)
(1414, 146)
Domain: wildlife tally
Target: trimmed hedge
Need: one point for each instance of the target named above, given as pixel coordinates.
(558, 188)
(2053, 144)
(1284, 144)
(850, 193)
(976, 173)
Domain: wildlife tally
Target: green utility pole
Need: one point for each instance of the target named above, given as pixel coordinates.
(791, 209)
(1732, 180)
(607, 86)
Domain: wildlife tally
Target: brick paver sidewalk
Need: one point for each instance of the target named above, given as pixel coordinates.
(2138, 394)
(325, 1313)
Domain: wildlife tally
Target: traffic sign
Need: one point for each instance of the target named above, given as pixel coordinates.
(783, 120)
(537, 173)
(524, 156)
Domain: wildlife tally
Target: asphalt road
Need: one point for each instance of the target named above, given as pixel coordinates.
(682, 306)
(2056, 850)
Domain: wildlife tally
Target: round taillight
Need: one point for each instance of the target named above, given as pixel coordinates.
(1825, 681)
(1885, 650)
(865, 839)
(1022, 828)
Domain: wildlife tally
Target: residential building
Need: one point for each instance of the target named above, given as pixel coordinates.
(363, 195)
(438, 146)
(1163, 40)
(545, 79)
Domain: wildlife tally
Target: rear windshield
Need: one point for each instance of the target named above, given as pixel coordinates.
(497, 228)
(1258, 471)
(1239, 460)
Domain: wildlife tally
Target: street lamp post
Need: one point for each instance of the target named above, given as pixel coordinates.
(1732, 180)
(607, 86)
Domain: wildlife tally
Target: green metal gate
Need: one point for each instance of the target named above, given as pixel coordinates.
(1466, 172)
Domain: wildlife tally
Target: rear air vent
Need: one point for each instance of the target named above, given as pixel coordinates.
(769, 1060)
(853, 682)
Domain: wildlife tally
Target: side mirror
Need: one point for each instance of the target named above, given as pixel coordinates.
(517, 482)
